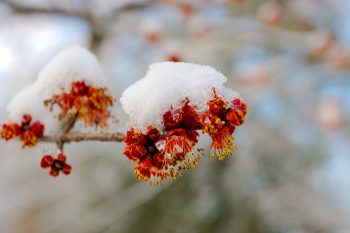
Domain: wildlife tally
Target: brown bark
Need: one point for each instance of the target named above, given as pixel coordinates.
(78, 137)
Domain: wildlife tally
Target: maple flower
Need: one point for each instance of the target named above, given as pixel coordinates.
(176, 98)
(56, 165)
(142, 149)
(220, 122)
(29, 132)
(10, 131)
(181, 125)
(164, 154)
(89, 103)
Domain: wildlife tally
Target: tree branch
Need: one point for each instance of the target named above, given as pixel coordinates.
(66, 127)
(78, 137)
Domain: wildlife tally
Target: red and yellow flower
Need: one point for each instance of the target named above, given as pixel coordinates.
(90, 103)
(28, 132)
(164, 154)
(10, 131)
(220, 122)
(56, 165)
(142, 149)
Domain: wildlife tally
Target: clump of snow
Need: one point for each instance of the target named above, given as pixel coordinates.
(166, 84)
(72, 64)
(27, 101)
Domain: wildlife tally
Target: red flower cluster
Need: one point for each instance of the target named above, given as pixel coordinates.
(91, 103)
(29, 132)
(161, 155)
(56, 165)
(220, 121)
(164, 154)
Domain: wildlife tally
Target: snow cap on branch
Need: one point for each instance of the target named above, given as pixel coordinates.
(167, 84)
(71, 64)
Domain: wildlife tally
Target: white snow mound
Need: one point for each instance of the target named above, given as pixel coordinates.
(166, 84)
(71, 64)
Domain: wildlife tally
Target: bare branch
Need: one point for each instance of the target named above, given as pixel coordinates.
(66, 128)
(78, 137)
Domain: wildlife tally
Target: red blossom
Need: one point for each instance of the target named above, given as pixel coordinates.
(135, 152)
(28, 138)
(10, 131)
(38, 129)
(79, 88)
(172, 119)
(191, 118)
(236, 114)
(220, 122)
(164, 154)
(143, 171)
(186, 117)
(217, 106)
(91, 103)
(28, 132)
(134, 136)
(56, 165)
(152, 133)
(179, 144)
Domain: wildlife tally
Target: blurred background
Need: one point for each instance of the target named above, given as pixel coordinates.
(290, 60)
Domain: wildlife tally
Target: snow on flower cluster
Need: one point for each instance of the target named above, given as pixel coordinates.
(72, 65)
(167, 107)
(71, 85)
(167, 84)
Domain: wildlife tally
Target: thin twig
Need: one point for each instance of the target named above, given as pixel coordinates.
(78, 137)
(66, 127)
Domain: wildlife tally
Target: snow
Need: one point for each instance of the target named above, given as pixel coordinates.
(27, 101)
(166, 84)
(71, 64)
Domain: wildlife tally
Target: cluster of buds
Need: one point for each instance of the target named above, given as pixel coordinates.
(90, 103)
(220, 122)
(29, 132)
(56, 165)
(160, 153)
(165, 153)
